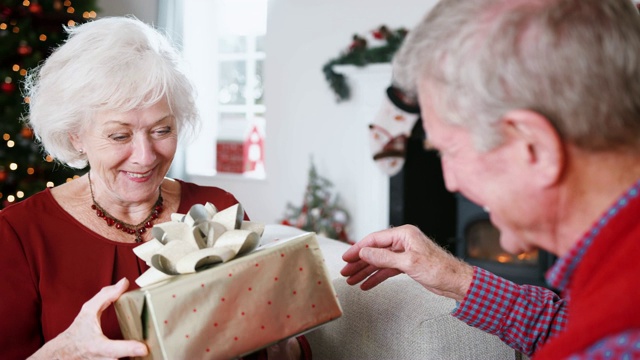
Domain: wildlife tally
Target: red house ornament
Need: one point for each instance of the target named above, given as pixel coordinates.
(242, 156)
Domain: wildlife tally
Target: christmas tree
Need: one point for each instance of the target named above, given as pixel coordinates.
(29, 32)
(319, 213)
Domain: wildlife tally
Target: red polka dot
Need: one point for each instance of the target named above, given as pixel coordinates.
(257, 265)
(230, 274)
(174, 295)
(269, 303)
(215, 324)
(295, 292)
(201, 285)
(249, 289)
(186, 336)
(235, 338)
(242, 313)
(222, 299)
(313, 305)
(208, 350)
(319, 282)
(300, 269)
(288, 316)
(307, 246)
(194, 310)
(262, 327)
(281, 255)
(275, 278)
(166, 321)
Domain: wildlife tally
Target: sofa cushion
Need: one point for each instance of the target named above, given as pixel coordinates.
(399, 319)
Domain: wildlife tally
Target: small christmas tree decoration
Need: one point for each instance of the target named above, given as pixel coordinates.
(319, 212)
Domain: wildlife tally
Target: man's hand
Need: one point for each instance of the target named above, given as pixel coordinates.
(405, 249)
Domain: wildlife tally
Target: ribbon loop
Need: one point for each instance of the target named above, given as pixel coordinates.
(201, 238)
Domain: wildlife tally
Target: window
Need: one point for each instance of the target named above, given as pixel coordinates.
(224, 43)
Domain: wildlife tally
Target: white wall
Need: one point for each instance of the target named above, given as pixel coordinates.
(145, 10)
(303, 118)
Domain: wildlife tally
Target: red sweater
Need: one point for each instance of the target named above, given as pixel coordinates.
(604, 292)
(50, 264)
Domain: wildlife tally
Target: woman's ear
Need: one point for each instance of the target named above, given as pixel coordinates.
(76, 142)
(543, 150)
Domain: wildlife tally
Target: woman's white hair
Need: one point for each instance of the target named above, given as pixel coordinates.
(577, 62)
(110, 64)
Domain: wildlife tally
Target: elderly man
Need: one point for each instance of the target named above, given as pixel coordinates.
(534, 106)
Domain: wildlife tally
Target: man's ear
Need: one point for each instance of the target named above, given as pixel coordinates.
(542, 147)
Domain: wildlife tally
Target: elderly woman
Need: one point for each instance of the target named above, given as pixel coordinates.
(112, 97)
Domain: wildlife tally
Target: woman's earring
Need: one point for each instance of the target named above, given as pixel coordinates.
(81, 151)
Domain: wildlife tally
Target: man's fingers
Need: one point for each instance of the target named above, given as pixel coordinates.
(352, 268)
(378, 277)
(380, 239)
(361, 275)
(381, 258)
(352, 254)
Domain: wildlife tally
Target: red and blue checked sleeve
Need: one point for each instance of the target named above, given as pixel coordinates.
(522, 316)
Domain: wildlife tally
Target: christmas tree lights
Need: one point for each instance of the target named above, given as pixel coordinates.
(29, 31)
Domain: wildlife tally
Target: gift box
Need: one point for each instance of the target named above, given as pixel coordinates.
(279, 290)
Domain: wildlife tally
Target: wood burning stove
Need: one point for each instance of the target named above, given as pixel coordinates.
(478, 243)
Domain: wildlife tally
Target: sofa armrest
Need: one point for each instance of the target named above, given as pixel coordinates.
(399, 319)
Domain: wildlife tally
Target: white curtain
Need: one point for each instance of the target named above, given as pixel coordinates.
(170, 18)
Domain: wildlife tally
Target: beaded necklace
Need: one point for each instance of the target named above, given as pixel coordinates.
(137, 230)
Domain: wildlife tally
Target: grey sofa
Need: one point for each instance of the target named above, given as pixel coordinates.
(398, 319)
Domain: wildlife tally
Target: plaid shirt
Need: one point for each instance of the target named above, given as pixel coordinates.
(525, 316)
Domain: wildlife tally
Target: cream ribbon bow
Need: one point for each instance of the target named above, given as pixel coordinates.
(202, 237)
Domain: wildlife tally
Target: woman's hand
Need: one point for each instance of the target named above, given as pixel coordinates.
(405, 249)
(84, 338)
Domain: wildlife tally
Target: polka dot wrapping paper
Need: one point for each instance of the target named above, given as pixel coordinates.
(279, 290)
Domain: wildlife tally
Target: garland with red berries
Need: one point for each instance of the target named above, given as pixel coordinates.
(360, 54)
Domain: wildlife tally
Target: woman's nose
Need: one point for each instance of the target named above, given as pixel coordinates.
(143, 151)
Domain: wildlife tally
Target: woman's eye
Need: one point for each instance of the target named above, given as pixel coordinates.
(118, 137)
(163, 131)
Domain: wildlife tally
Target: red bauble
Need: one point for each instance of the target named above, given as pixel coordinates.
(24, 49)
(3, 175)
(26, 132)
(35, 8)
(6, 11)
(8, 87)
(378, 35)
